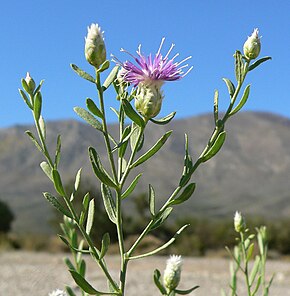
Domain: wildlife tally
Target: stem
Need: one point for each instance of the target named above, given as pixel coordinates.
(105, 129)
(246, 264)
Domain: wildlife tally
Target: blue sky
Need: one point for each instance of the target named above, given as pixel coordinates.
(44, 37)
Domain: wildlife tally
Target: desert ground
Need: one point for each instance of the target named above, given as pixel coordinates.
(37, 274)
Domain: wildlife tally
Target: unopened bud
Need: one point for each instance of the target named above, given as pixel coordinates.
(149, 99)
(239, 222)
(252, 46)
(30, 83)
(172, 272)
(95, 50)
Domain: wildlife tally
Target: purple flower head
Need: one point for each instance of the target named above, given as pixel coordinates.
(154, 70)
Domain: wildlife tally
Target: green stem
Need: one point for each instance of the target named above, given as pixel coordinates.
(245, 270)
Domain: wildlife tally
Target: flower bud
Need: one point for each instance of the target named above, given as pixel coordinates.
(252, 46)
(172, 272)
(239, 222)
(149, 99)
(95, 50)
(30, 83)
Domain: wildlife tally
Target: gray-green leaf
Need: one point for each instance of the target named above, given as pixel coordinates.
(111, 77)
(215, 147)
(109, 202)
(55, 203)
(82, 73)
(164, 120)
(89, 118)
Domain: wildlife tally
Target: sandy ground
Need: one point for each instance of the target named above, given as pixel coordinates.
(37, 274)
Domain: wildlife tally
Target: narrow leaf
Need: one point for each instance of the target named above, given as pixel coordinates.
(187, 166)
(83, 284)
(98, 168)
(57, 183)
(39, 87)
(105, 245)
(230, 86)
(109, 202)
(258, 62)
(93, 108)
(215, 147)
(239, 66)
(78, 179)
(164, 120)
(132, 186)
(185, 292)
(26, 100)
(250, 251)
(111, 77)
(185, 195)
(161, 217)
(42, 126)
(82, 73)
(104, 66)
(69, 291)
(151, 200)
(132, 114)
(24, 85)
(153, 150)
(216, 106)
(254, 270)
(242, 101)
(82, 267)
(67, 260)
(89, 118)
(34, 140)
(55, 203)
(57, 151)
(46, 169)
(37, 105)
(157, 276)
(90, 219)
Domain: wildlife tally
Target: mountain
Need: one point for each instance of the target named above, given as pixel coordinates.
(250, 174)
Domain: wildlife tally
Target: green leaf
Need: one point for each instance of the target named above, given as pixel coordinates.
(216, 106)
(69, 291)
(46, 169)
(132, 114)
(239, 66)
(25, 86)
(42, 126)
(185, 292)
(242, 101)
(161, 217)
(258, 62)
(83, 284)
(136, 130)
(89, 118)
(230, 86)
(151, 200)
(104, 66)
(90, 219)
(111, 77)
(187, 166)
(185, 195)
(93, 108)
(215, 147)
(98, 168)
(153, 150)
(67, 260)
(57, 151)
(57, 182)
(132, 186)
(157, 276)
(26, 100)
(105, 245)
(39, 87)
(109, 203)
(78, 179)
(37, 105)
(257, 285)
(82, 267)
(82, 73)
(124, 142)
(254, 270)
(55, 203)
(164, 120)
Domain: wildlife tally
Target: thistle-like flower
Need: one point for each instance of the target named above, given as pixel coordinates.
(252, 46)
(148, 75)
(95, 50)
(239, 222)
(57, 293)
(172, 272)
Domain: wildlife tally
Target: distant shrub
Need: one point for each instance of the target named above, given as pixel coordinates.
(6, 217)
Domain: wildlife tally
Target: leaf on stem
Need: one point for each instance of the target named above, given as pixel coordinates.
(34, 140)
(151, 200)
(230, 86)
(216, 106)
(82, 73)
(157, 281)
(90, 218)
(153, 150)
(105, 245)
(254, 271)
(69, 291)
(42, 127)
(25, 98)
(55, 203)
(187, 166)
(239, 69)
(78, 179)
(242, 101)
(132, 186)
(98, 168)
(37, 105)
(185, 195)
(164, 120)
(93, 108)
(104, 66)
(185, 292)
(57, 151)
(160, 218)
(46, 169)
(57, 182)
(111, 77)
(89, 118)
(258, 62)
(132, 114)
(136, 130)
(109, 203)
(214, 149)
